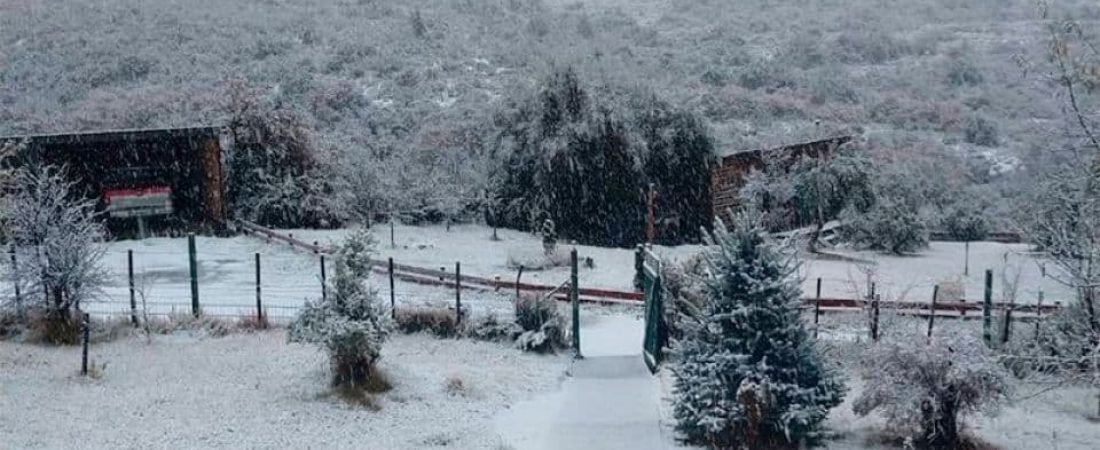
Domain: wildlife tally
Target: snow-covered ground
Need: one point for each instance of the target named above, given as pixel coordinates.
(227, 279)
(257, 391)
(896, 277)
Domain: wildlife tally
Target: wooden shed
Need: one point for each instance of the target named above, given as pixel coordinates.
(166, 179)
(729, 175)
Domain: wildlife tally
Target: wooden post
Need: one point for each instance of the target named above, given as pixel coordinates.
(192, 259)
(874, 319)
(932, 312)
(639, 267)
(130, 276)
(324, 280)
(393, 243)
(259, 301)
(86, 325)
(458, 293)
(1006, 332)
(575, 300)
(15, 284)
(393, 304)
(817, 307)
(987, 309)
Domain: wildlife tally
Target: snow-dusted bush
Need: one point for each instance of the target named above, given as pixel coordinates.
(440, 322)
(491, 328)
(922, 388)
(966, 222)
(893, 220)
(748, 375)
(532, 260)
(542, 324)
(350, 323)
(56, 233)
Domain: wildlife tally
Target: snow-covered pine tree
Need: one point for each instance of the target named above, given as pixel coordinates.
(748, 374)
(350, 323)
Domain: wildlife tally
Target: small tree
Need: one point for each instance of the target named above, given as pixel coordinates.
(549, 237)
(922, 387)
(825, 186)
(748, 374)
(350, 323)
(965, 222)
(893, 221)
(46, 220)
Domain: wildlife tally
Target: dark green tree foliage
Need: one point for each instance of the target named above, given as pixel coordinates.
(586, 166)
(749, 375)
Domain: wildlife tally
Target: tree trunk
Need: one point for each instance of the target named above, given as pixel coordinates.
(941, 428)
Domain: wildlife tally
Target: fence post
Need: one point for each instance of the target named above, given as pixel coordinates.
(518, 276)
(393, 304)
(987, 309)
(817, 307)
(192, 259)
(639, 263)
(259, 301)
(966, 260)
(575, 299)
(130, 276)
(15, 283)
(324, 280)
(86, 325)
(1007, 331)
(1038, 314)
(458, 293)
(932, 312)
(874, 319)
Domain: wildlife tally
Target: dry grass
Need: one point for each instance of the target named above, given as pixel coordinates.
(440, 322)
(454, 384)
(252, 323)
(364, 394)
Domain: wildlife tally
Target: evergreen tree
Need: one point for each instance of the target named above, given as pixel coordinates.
(749, 375)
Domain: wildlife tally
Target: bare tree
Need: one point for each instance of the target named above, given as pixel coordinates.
(46, 219)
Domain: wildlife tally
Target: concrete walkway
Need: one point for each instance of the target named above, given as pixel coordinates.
(610, 401)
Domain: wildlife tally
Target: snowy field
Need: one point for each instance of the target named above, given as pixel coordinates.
(897, 277)
(227, 279)
(256, 391)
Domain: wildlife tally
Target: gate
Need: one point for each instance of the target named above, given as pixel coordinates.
(655, 334)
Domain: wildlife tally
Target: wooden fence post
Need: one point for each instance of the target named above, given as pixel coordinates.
(130, 277)
(1007, 331)
(192, 259)
(458, 293)
(817, 307)
(259, 297)
(932, 312)
(393, 304)
(987, 309)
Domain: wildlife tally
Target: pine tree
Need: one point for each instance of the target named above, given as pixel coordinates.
(749, 375)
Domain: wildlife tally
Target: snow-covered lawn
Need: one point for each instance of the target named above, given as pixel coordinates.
(256, 391)
(227, 279)
(908, 277)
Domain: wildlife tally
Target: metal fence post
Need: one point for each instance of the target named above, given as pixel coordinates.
(130, 276)
(15, 284)
(86, 322)
(458, 293)
(393, 303)
(324, 282)
(575, 299)
(932, 313)
(259, 296)
(193, 262)
(817, 308)
(987, 309)
(874, 318)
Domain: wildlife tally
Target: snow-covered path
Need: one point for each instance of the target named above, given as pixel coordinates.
(610, 402)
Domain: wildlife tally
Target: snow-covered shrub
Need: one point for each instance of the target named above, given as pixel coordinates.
(922, 388)
(491, 328)
(748, 375)
(56, 233)
(440, 322)
(893, 220)
(1063, 342)
(350, 323)
(542, 324)
(966, 222)
(685, 286)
